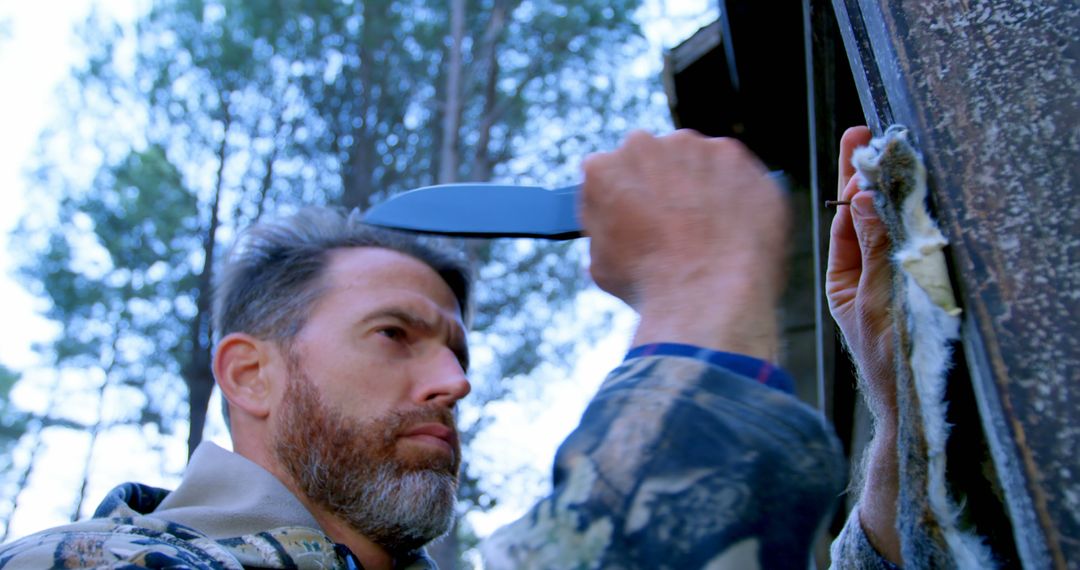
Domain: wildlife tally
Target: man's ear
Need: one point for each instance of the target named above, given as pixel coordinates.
(243, 369)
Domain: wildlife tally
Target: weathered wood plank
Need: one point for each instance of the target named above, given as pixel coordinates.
(992, 91)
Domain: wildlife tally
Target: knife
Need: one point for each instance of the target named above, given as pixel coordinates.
(482, 210)
(488, 210)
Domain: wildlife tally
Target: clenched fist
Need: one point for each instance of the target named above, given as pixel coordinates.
(691, 232)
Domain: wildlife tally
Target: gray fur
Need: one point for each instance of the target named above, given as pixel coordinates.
(925, 323)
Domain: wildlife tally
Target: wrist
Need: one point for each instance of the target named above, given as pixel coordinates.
(730, 312)
(880, 491)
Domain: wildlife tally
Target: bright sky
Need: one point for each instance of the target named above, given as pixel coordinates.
(34, 58)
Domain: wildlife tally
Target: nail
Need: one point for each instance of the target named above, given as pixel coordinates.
(834, 203)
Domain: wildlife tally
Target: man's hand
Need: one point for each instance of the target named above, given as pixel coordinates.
(859, 285)
(692, 233)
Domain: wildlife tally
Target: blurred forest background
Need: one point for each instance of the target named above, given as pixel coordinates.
(186, 120)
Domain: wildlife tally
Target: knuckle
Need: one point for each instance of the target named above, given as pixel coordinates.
(638, 138)
(594, 163)
(731, 145)
(687, 135)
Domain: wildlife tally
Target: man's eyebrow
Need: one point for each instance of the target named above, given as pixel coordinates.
(407, 317)
(456, 342)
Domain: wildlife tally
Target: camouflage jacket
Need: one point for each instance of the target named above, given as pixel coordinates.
(228, 513)
(684, 459)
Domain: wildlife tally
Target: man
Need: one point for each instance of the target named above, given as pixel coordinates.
(342, 355)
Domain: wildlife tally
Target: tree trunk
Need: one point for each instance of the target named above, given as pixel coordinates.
(96, 429)
(268, 174)
(197, 373)
(356, 176)
(451, 120)
(482, 162)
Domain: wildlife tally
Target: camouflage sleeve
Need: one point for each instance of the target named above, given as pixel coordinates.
(120, 544)
(681, 464)
(852, 549)
(130, 543)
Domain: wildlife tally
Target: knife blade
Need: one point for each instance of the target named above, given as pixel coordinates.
(482, 210)
(486, 210)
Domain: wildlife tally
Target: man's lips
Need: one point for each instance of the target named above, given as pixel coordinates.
(435, 434)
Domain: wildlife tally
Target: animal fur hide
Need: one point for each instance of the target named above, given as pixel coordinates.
(926, 320)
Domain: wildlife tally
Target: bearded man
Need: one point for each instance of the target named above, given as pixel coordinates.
(342, 353)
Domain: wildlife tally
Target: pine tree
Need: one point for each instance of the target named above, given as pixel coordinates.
(228, 110)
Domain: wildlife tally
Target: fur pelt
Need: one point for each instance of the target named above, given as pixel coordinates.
(926, 320)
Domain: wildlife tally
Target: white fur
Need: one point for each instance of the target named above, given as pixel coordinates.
(932, 321)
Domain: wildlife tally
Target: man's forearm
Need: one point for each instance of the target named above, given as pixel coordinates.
(679, 463)
(877, 500)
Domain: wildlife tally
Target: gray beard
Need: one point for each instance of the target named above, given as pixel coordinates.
(352, 469)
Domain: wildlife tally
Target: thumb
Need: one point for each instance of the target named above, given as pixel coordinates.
(870, 229)
(875, 290)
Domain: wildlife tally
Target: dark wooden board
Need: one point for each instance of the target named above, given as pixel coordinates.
(992, 92)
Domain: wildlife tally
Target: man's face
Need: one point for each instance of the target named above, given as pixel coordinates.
(366, 428)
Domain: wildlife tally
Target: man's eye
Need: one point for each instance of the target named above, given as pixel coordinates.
(393, 333)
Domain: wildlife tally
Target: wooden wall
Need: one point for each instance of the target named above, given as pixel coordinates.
(991, 91)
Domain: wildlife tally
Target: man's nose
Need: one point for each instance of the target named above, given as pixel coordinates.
(442, 380)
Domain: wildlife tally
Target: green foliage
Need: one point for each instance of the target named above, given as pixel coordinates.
(118, 276)
(208, 113)
(13, 421)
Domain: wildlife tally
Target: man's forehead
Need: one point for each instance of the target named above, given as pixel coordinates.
(378, 269)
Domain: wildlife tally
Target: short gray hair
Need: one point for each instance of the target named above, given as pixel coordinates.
(271, 278)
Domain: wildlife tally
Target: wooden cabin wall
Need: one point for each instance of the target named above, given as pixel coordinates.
(991, 91)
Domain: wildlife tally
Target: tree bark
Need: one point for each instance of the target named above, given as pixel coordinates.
(197, 373)
(451, 119)
(482, 163)
(268, 174)
(357, 177)
(95, 431)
